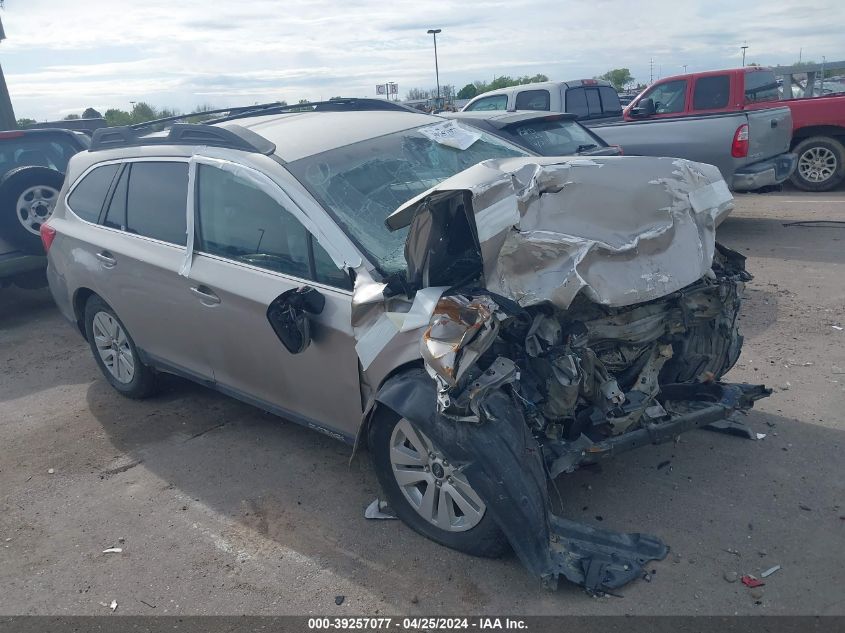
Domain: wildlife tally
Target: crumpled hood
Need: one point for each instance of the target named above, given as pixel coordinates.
(621, 229)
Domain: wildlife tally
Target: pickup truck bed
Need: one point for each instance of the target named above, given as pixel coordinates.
(712, 138)
(818, 123)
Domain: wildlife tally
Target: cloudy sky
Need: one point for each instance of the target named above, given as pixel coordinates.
(61, 56)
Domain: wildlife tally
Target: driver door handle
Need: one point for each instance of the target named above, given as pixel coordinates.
(205, 294)
(106, 258)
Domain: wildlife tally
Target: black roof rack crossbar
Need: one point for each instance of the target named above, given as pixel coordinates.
(181, 134)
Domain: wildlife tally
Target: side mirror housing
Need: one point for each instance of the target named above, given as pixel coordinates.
(645, 108)
(288, 315)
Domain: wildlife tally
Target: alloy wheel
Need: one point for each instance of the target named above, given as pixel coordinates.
(435, 488)
(113, 347)
(817, 164)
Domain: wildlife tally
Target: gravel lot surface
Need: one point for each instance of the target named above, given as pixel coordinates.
(222, 509)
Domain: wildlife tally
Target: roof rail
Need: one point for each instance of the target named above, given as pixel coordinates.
(233, 137)
(260, 109)
(181, 134)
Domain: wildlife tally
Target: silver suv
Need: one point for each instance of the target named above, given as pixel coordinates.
(483, 320)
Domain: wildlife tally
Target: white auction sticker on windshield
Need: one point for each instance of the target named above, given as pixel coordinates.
(451, 134)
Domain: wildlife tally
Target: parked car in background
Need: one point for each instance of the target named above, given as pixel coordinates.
(86, 126)
(587, 99)
(751, 150)
(547, 134)
(24, 270)
(817, 123)
(32, 166)
(463, 302)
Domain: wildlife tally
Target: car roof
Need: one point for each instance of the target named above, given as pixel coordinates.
(544, 85)
(300, 134)
(504, 118)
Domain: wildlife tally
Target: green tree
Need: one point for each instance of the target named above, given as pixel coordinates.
(71, 117)
(143, 111)
(25, 122)
(91, 113)
(618, 77)
(467, 92)
(115, 116)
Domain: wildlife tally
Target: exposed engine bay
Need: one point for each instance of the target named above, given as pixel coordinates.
(580, 313)
(590, 372)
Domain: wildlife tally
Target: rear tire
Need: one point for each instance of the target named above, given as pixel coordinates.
(821, 164)
(28, 196)
(115, 352)
(484, 538)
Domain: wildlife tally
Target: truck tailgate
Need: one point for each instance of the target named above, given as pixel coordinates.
(769, 133)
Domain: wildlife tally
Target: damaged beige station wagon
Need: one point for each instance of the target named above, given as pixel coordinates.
(483, 320)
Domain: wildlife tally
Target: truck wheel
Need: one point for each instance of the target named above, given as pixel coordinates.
(427, 492)
(821, 164)
(28, 196)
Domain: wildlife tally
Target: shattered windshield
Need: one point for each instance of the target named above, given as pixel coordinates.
(361, 184)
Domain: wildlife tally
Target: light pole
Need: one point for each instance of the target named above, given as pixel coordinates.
(433, 33)
(743, 47)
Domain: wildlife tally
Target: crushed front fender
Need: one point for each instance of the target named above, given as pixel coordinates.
(504, 464)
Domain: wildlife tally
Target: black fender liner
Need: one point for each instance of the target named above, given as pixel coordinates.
(504, 464)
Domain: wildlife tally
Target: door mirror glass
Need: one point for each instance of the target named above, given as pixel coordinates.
(289, 316)
(645, 108)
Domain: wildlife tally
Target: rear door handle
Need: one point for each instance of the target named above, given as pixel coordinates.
(774, 123)
(106, 258)
(205, 294)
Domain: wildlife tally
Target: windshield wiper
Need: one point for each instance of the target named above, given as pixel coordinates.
(584, 148)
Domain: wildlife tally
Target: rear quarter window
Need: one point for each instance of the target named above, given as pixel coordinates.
(87, 198)
(533, 100)
(157, 199)
(711, 93)
(496, 102)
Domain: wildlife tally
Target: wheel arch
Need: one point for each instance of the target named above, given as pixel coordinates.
(80, 299)
(833, 131)
(362, 437)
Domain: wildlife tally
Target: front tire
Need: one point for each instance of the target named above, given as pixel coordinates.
(115, 352)
(821, 164)
(428, 493)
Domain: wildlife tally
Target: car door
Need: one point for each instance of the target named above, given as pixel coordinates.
(249, 249)
(139, 248)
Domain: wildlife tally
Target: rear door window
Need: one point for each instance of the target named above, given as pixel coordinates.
(116, 212)
(533, 100)
(496, 102)
(156, 200)
(88, 196)
(711, 93)
(760, 85)
(576, 102)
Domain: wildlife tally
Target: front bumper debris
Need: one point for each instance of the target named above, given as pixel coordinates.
(708, 403)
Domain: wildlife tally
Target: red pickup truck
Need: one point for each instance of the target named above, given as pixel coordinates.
(818, 123)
